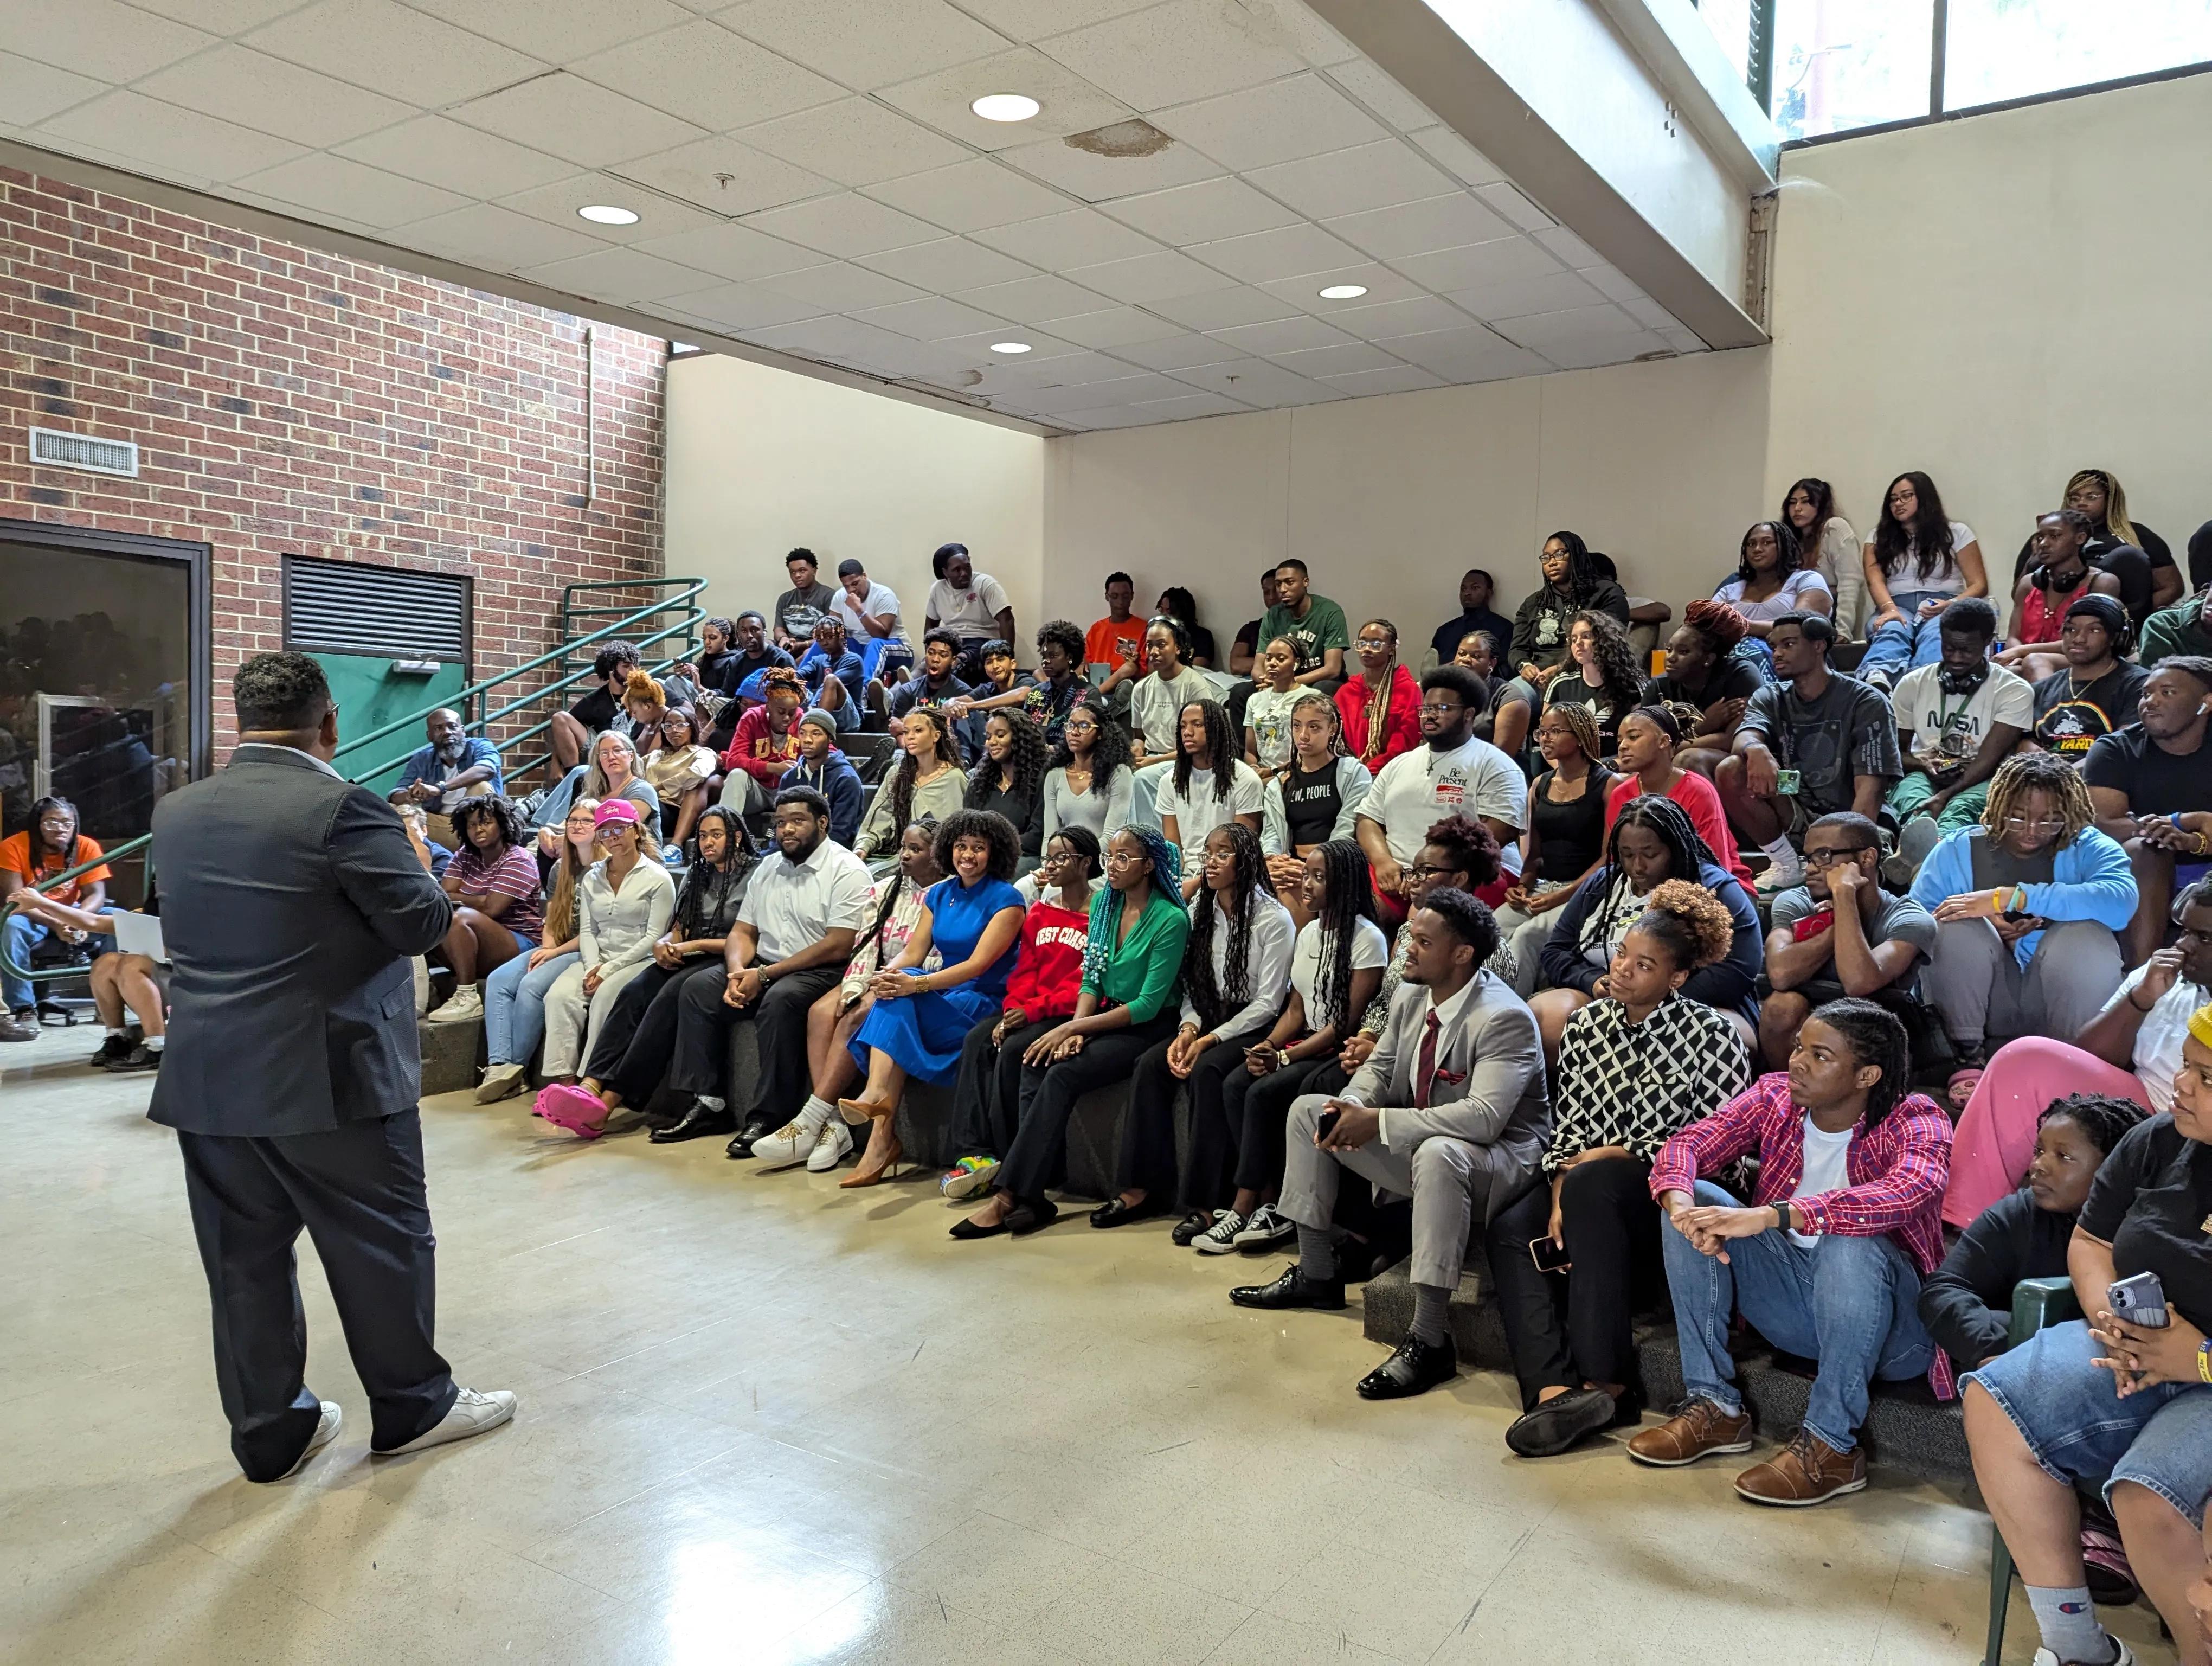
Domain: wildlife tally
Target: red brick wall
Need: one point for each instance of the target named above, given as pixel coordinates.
(288, 401)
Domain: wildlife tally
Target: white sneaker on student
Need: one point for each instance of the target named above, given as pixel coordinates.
(472, 1414)
(2126, 1657)
(327, 1431)
(832, 1146)
(500, 1080)
(467, 1003)
(793, 1143)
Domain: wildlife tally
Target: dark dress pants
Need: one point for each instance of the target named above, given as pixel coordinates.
(1258, 1108)
(1038, 1155)
(703, 1041)
(638, 1037)
(987, 1094)
(358, 1191)
(1564, 1329)
(1148, 1134)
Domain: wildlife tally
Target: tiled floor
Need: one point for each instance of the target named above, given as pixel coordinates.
(763, 1420)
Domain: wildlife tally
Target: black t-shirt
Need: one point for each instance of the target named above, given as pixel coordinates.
(2157, 552)
(2152, 1202)
(1569, 836)
(2068, 721)
(596, 710)
(1568, 689)
(1310, 803)
(1732, 680)
(2157, 783)
(1452, 632)
(1248, 638)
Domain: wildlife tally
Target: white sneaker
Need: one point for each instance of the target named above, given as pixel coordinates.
(500, 1080)
(2125, 1657)
(834, 1146)
(472, 1414)
(792, 1144)
(327, 1431)
(467, 1003)
(1220, 1238)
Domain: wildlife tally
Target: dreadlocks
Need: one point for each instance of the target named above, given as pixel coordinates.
(2039, 772)
(1583, 579)
(1875, 1037)
(2104, 1117)
(1222, 751)
(1166, 876)
(1215, 1002)
(1348, 898)
(887, 904)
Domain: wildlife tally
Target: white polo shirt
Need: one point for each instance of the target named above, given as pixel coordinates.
(792, 905)
(1415, 790)
(971, 612)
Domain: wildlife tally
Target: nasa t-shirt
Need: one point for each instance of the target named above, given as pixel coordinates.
(2068, 719)
(1953, 725)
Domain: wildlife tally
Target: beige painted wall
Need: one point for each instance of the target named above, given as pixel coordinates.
(760, 461)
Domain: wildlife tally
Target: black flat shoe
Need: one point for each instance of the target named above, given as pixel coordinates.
(694, 1124)
(1415, 1368)
(1115, 1212)
(1033, 1217)
(1192, 1225)
(1294, 1289)
(1561, 1421)
(968, 1229)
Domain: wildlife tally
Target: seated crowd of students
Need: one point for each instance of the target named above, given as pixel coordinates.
(1490, 939)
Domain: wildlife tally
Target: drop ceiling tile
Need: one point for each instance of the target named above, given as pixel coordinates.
(658, 216)
(575, 119)
(1290, 252)
(1116, 327)
(740, 307)
(1205, 212)
(1026, 375)
(1073, 237)
(30, 92)
(1398, 379)
(440, 152)
(223, 17)
(1303, 116)
(1479, 266)
(274, 97)
(1649, 312)
(1184, 407)
(1043, 348)
(368, 196)
(1067, 103)
(1373, 88)
(1300, 26)
(1681, 340)
(732, 252)
(1033, 19)
(628, 275)
(1288, 335)
(1447, 147)
(1257, 382)
(1344, 359)
(1177, 352)
(1127, 387)
(932, 317)
(1512, 205)
(1466, 354)
(1588, 352)
(1304, 291)
(946, 264)
(855, 142)
(1222, 309)
(710, 76)
(109, 42)
(1161, 276)
(379, 45)
(723, 177)
(1537, 331)
(1098, 179)
(845, 225)
(1173, 53)
(1569, 248)
(1378, 322)
(1552, 292)
(866, 44)
(487, 235)
(840, 287)
(168, 139)
(1105, 417)
(1033, 300)
(970, 196)
(559, 31)
(1410, 229)
(1365, 176)
(1611, 284)
(833, 337)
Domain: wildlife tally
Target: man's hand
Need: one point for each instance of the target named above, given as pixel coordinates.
(743, 988)
(1844, 881)
(2161, 834)
(1710, 1226)
(1356, 1052)
(1969, 905)
(2141, 1358)
(1389, 877)
(2160, 973)
(1355, 1126)
(1760, 772)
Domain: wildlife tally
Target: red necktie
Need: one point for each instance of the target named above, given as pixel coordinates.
(1425, 1077)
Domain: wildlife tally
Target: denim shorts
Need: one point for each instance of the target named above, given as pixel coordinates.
(2079, 1429)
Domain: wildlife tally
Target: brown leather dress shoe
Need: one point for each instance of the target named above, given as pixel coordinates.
(1807, 1471)
(1698, 1430)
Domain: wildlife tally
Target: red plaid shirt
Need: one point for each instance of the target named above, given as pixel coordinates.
(1897, 1169)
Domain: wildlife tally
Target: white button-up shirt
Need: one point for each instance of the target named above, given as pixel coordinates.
(790, 905)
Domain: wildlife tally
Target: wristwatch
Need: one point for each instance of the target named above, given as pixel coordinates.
(1782, 1215)
(1282, 1058)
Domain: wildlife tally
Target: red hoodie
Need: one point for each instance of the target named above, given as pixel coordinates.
(1401, 725)
(1049, 971)
(756, 751)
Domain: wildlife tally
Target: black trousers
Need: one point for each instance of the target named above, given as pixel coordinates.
(1039, 1153)
(1567, 1329)
(702, 1040)
(1258, 1110)
(987, 1094)
(638, 1037)
(1148, 1140)
(358, 1191)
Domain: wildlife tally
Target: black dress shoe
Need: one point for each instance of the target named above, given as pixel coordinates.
(741, 1144)
(1192, 1225)
(1294, 1289)
(971, 1228)
(1415, 1368)
(1115, 1212)
(1560, 1421)
(1033, 1216)
(694, 1124)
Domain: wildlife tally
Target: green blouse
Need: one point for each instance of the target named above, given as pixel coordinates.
(1142, 970)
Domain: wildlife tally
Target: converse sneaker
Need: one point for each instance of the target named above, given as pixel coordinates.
(500, 1081)
(1220, 1238)
(831, 1147)
(1264, 1229)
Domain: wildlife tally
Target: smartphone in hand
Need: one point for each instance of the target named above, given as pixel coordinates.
(1549, 1257)
(1325, 1123)
(2140, 1300)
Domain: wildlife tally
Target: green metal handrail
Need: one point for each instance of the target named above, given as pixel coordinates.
(128, 847)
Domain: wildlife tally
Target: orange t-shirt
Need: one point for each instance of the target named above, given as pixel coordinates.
(15, 856)
(1108, 644)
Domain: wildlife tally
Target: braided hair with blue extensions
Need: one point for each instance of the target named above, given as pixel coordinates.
(1166, 874)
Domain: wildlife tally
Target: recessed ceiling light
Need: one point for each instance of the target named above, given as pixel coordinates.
(1009, 346)
(1005, 106)
(606, 214)
(1344, 291)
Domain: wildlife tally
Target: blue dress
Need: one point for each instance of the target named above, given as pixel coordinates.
(923, 1033)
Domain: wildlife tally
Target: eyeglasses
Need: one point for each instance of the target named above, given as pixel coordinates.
(1122, 859)
(1381, 645)
(1831, 855)
(1443, 708)
(1422, 873)
(2040, 825)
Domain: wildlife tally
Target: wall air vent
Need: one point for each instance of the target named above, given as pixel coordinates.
(52, 449)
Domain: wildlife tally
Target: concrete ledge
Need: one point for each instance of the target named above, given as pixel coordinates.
(451, 1055)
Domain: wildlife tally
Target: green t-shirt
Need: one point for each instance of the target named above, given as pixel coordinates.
(1311, 637)
(2176, 629)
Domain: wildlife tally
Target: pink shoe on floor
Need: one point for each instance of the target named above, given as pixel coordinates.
(572, 1108)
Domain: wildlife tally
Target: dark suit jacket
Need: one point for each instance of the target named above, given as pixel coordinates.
(290, 904)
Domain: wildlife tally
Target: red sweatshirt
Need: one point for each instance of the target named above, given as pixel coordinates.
(1048, 972)
(757, 751)
(1401, 725)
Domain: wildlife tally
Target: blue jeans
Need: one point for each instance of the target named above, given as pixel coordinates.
(25, 935)
(514, 1007)
(1851, 1304)
(1899, 646)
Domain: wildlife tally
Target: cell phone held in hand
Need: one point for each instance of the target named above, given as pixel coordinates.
(2140, 1300)
(1325, 1124)
(1549, 1257)
(1785, 783)
(1812, 925)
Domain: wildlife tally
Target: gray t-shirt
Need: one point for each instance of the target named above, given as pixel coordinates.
(1849, 731)
(1895, 918)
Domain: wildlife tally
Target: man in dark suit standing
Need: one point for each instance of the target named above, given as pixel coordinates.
(291, 903)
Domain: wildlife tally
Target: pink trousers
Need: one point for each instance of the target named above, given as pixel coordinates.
(1996, 1137)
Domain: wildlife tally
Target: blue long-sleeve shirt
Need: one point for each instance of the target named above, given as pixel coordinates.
(2090, 879)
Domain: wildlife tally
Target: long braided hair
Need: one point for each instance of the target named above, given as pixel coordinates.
(1216, 1001)
(1222, 750)
(708, 900)
(887, 904)
(1106, 906)
(1348, 897)
(1688, 856)
(902, 781)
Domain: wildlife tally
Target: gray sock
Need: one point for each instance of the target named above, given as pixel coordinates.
(709, 1103)
(1429, 1303)
(1317, 1255)
(2068, 1623)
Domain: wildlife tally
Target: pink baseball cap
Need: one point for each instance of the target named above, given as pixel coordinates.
(614, 809)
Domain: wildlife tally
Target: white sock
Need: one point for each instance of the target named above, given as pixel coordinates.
(2068, 1623)
(118, 1030)
(1787, 863)
(709, 1103)
(152, 1043)
(816, 1113)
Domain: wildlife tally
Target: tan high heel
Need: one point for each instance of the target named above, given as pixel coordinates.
(886, 1169)
(860, 1112)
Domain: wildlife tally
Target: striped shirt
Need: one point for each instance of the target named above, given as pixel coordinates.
(514, 875)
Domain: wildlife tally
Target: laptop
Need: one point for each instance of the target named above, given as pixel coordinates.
(140, 933)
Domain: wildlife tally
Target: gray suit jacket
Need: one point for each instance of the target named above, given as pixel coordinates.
(290, 904)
